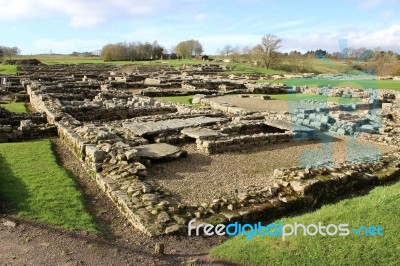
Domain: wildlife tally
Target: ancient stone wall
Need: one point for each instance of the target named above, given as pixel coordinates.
(241, 142)
(109, 151)
(23, 126)
(297, 189)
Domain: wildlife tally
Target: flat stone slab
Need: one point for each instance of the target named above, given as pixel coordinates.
(159, 151)
(201, 133)
(154, 127)
(286, 125)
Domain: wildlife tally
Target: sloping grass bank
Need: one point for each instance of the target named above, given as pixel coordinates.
(38, 188)
(15, 107)
(379, 208)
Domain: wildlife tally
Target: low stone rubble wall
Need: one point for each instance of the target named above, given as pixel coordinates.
(242, 142)
(297, 189)
(329, 119)
(16, 127)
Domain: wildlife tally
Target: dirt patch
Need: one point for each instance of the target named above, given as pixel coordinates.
(33, 243)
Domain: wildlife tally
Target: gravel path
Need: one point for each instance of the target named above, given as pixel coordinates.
(199, 177)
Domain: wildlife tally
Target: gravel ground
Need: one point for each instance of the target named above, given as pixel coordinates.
(199, 177)
(138, 90)
(255, 104)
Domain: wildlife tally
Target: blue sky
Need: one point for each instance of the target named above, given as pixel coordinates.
(64, 26)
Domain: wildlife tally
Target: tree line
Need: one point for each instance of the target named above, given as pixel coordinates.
(8, 52)
(266, 54)
(132, 51)
(138, 51)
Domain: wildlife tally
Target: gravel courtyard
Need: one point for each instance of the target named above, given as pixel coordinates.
(199, 178)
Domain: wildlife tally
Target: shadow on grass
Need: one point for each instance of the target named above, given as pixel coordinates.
(13, 193)
(83, 188)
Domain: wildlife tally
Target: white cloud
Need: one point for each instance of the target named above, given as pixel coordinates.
(386, 38)
(67, 46)
(87, 13)
(367, 4)
(15, 9)
(212, 43)
(201, 17)
(387, 14)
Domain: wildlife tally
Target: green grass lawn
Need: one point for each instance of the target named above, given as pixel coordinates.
(362, 84)
(38, 188)
(315, 97)
(177, 99)
(8, 69)
(381, 84)
(15, 107)
(248, 69)
(68, 59)
(299, 97)
(379, 207)
(284, 97)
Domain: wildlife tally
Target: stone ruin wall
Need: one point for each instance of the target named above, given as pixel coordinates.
(120, 174)
(15, 127)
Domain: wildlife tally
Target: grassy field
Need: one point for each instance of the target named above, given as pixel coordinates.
(363, 84)
(301, 96)
(66, 59)
(379, 207)
(319, 65)
(15, 107)
(284, 97)
(329, 66)
(314, 97)
(177, 99)
(8, 69)
(247, 69)
(39, 189)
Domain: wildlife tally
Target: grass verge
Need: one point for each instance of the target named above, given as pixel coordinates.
(379, 207)
(39, 189)
(301, 96)
(8, 69)
(362, 84)
(283, 97)
(177, 99)
(248, 69)
(15, 107)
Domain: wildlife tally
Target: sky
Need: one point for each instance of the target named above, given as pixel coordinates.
(65, 26)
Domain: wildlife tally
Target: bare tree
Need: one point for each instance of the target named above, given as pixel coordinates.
(246, 53)
(228, 50)
(266, 52)
(10, 51)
